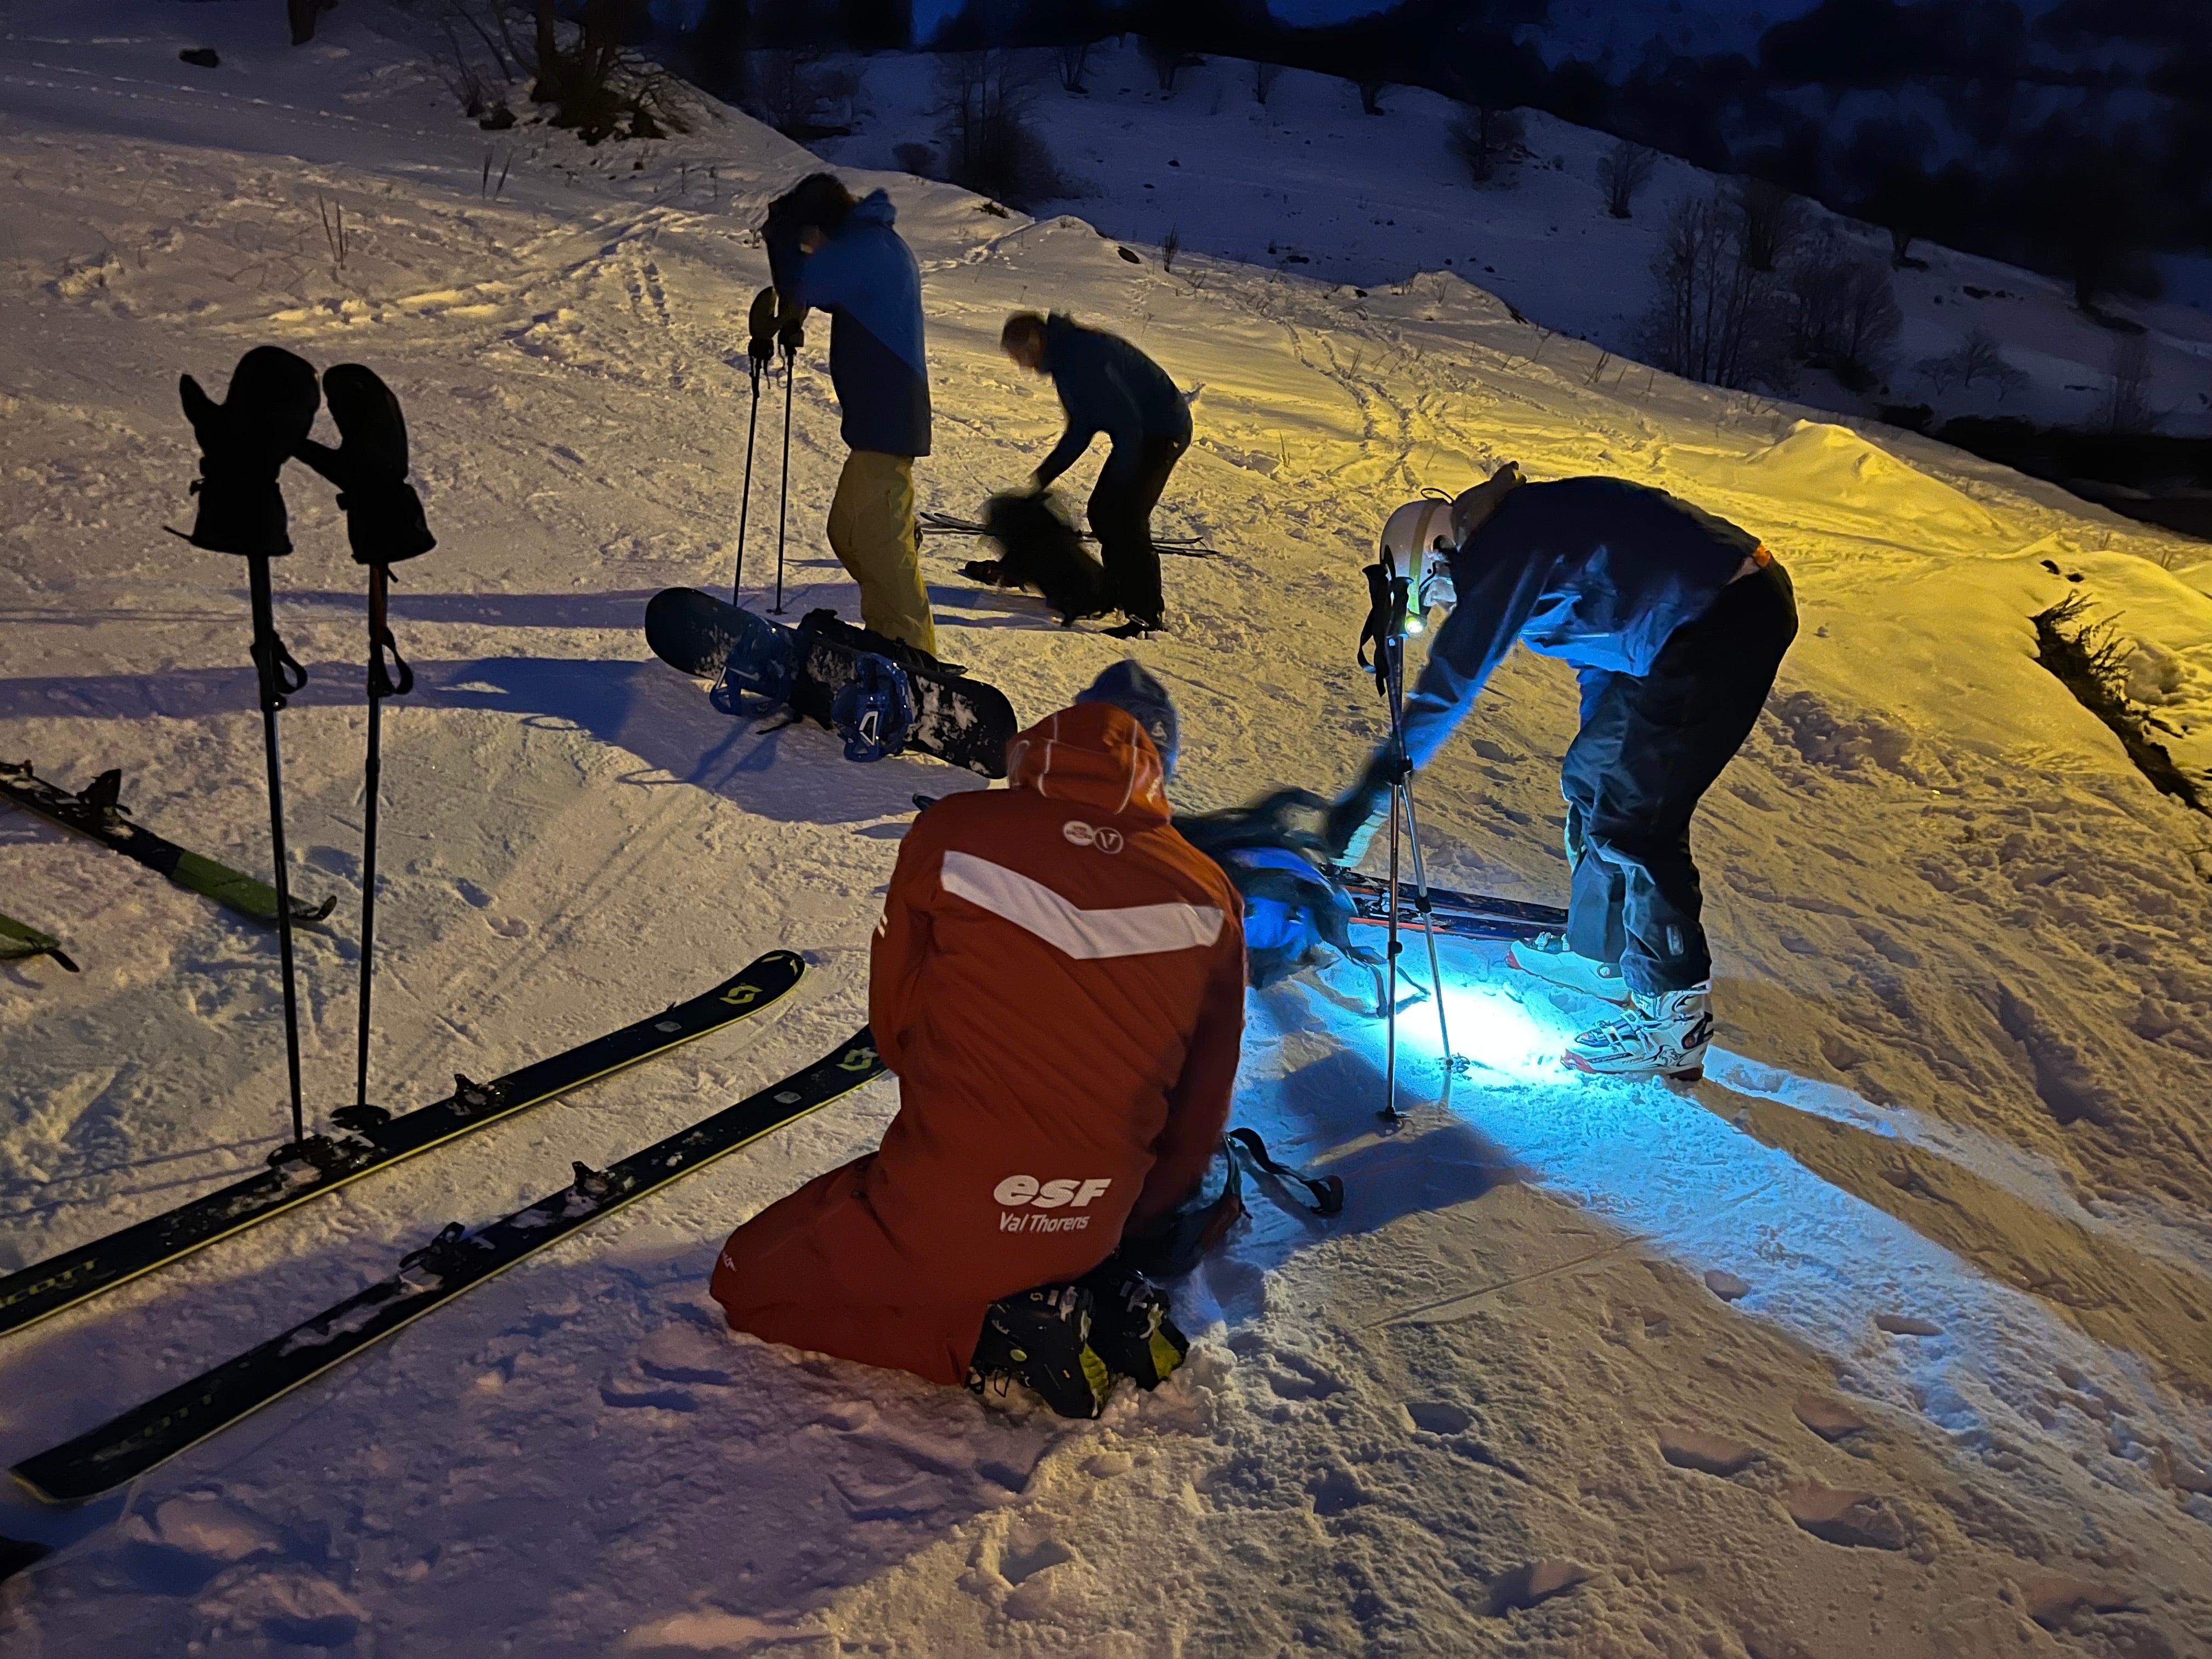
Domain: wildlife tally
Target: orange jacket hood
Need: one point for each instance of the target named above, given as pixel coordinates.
(1092, 754)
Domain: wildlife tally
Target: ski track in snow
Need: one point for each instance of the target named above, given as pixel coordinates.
(1585, 1368)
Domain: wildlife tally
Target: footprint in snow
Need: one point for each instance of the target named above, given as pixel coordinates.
(1296, 1378)
(1532, 1583)
(1858, 1520)
(1439, 1417)
(1906, 1325)
(1829, 1419)
(1708, 1454)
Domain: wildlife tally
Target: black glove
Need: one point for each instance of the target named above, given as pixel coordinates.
(244, 441)
(793, 333)
(760, 325)
(384, 516)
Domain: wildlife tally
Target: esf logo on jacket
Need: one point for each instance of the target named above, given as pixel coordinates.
(1080, 834)
(1018, 1191)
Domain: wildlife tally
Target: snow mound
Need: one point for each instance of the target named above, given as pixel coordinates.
(1849, 476)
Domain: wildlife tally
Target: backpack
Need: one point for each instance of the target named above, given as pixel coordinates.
(1292, 905)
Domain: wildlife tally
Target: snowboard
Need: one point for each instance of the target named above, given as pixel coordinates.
(20, 942)
(127, 1446)
(96, 811)
(1465, 916)
(882, 696)
(373, 1139)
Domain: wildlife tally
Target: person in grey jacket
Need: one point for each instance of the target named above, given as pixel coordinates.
(1675, 622)
(1106, 385)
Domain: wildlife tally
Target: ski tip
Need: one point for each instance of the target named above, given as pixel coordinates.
(62, 958)
(304, 912)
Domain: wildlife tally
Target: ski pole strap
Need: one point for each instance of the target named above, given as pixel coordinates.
(280, 673)
(381, 683)
(1328, 1192)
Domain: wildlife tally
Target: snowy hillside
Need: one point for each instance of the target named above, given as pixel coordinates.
(1308, 184)
(1889, 1338)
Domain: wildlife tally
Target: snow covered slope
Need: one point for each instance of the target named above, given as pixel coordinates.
(1889, 1338)
(1308, 184)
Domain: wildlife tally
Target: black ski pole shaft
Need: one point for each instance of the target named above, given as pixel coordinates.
(745, 495)
(269, 659)
(783, 490)
(379, 687)
(1428, 913)
(1390, 998)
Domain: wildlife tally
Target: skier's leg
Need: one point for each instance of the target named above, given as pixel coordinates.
(1121, 514)
(1684, 721)
(872, 533)
(1596, 890)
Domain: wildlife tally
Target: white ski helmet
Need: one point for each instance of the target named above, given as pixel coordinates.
(1419, 539)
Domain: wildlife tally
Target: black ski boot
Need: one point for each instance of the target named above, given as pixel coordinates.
(1040, 1339)
(1130, 1329)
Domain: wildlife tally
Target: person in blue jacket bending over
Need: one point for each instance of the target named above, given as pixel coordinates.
(829, 252)
(1106, 385)
(1675, 622)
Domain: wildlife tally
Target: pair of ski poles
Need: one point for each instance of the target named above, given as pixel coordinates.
(245, 441)
(1386, 627)
(765, 336)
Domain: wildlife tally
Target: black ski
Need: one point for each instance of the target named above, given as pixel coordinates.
(373, 1140)
(1468, 915)
(96, 811)
(127, 1446)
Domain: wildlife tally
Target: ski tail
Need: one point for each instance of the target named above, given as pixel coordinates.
(21, 942)
(129, 1445)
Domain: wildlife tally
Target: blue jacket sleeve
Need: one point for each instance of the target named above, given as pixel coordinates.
(1468, 648)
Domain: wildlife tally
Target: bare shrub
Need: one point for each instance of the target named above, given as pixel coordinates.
(2127, 407)
(1716, 318)
(1774, 221)
(1485, 139)
(798, 93)
(598, 84)
(1169, 59)
(1622, 172)
(1843, 314)
(1074, 57)
(1264, 76)
(1371, 96)
(1978, 357)
(990, 147)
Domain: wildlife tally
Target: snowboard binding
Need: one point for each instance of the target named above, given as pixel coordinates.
(874, 711)
(762, 663)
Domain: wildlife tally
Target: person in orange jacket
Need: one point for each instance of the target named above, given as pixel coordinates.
(1058, 981)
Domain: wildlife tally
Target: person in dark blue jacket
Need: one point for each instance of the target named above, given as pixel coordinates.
(1106, 385)
(1675, 621)
(827, 252)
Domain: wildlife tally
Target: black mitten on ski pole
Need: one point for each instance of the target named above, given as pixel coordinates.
(384, 516)
(385, 524)
(244, 441)
(760, 327)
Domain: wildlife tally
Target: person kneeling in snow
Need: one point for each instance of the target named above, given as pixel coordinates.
(1059, 983)
(1675, 622)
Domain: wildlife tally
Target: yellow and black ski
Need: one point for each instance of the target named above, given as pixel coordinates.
(97, 812)
(127, 1446)
(375, 1140)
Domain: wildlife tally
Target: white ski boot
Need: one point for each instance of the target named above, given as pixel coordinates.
(1548, 958)
(1659, 1036)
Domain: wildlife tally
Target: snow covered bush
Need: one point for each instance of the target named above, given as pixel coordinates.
(1622, 172)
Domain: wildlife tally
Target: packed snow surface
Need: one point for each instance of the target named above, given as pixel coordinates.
(1891, 1337)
